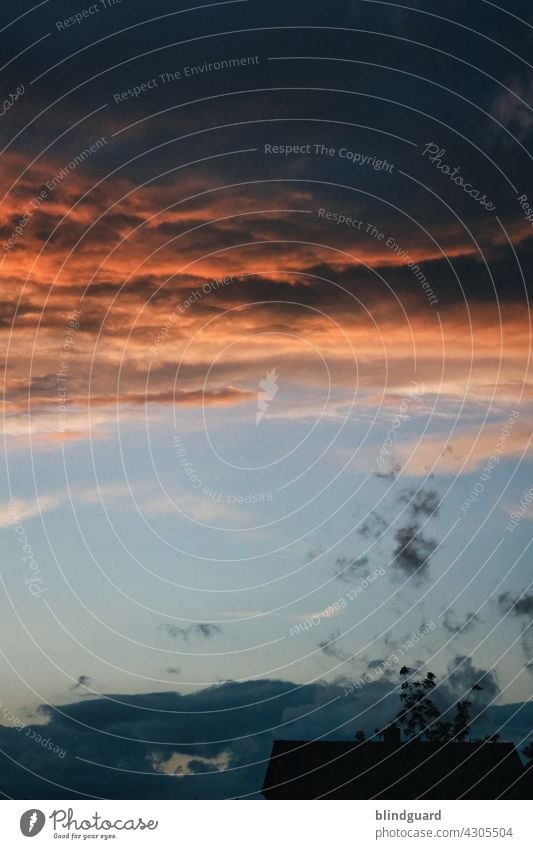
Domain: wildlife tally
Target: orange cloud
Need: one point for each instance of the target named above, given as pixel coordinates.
(134, 262)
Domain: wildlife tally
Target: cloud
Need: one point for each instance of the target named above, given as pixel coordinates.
(196, 506)
(518, 605)
(23, 509)
(511, 107)
(137, 304)
(470, 449)
(373, 526)
(122, 496)
(389, 470)
(347, 570)
(329, 647)
(82, 681)
(463, 674)
(210, 744)
(201, 629)
(19, 510)
(213, 743)
(377, 662)
(413, 550)
(206, 630)
(521, 606)
(455, 626)
(180, 764)
(422, 502)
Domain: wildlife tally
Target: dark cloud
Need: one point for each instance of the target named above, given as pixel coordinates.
(330, 648)
(422, 502)
(372, 664)
(518, 605)
(175, 631)
(206, 630)
(463, 675)
(456, 626)
(526, 641)
(510, 107)
(413, 550)
(521, 606)
(512, 721)
(373, 526)
(82, 681)
(466, 681)
(215, 742)
(347, 570)
(202, 629)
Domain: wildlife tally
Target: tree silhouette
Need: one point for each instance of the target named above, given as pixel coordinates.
(418, 711)
(460, 726)
(419, 717)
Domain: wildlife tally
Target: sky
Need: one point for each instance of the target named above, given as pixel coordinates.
(267, 390)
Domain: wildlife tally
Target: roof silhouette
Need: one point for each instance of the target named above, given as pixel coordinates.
(411, 770)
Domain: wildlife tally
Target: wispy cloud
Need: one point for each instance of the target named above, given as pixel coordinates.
(201, 629)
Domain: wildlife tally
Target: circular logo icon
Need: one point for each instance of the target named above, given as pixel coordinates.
(32, 822)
